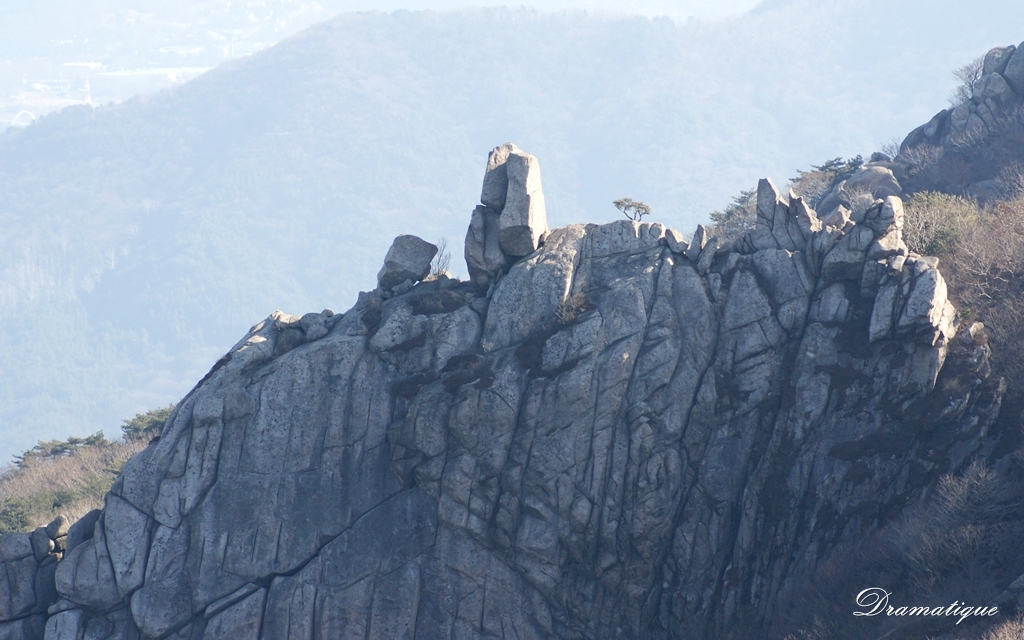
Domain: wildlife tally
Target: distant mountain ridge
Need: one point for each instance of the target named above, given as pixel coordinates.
(139, 239)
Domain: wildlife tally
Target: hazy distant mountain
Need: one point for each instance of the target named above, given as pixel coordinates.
(57, 53)
(138, 241)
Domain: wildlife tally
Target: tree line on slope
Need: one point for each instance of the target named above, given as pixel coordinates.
(72, 476)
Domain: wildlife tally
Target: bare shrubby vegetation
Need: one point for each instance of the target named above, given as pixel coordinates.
(920, 164)
(968, 76)
(982, 259)
(1011, 178)
(571, 308)
(1010, 630)
(935, 223)
(70, 477)
(33, 494)
(969, 530)
(442, 259)
(891, 147)
(961, 545)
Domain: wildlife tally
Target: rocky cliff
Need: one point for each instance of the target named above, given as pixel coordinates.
(610, 432)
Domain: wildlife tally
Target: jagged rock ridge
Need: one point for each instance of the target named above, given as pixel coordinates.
(621, 434)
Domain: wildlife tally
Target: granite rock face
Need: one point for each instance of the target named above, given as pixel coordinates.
(630, 436)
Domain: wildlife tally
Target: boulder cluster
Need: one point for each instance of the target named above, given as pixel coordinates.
(610, 431)
(28, 563)
(996, 93)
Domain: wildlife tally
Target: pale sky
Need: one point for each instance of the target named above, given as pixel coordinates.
(679, 9)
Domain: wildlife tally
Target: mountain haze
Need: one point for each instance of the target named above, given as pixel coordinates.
(139, 240)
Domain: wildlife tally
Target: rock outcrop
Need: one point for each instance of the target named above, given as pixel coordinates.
(871, 182)
(963, 150)
(628, 436)
(512, 188)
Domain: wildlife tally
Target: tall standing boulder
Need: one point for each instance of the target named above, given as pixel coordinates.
(512, 219)
(512, 188)
(1014, 71)
(524, 218)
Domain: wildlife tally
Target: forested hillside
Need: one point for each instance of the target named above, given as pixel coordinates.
(140, 240)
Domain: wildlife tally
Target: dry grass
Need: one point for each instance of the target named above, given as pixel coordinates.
(73, 485)
(964, 544)
(1009, 630)
(571, 308)
(936, 222)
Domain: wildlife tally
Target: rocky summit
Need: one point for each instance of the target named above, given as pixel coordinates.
(610, 432)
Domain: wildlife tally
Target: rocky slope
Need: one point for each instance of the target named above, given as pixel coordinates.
(973, 149)
(969, 149)
(610, 432)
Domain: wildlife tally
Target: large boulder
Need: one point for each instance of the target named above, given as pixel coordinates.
(995, 87)
(408, 259)
(513, 218)
(872, 179)
(877, 180)
(1014, 70)
(523, 217)
(996, 59)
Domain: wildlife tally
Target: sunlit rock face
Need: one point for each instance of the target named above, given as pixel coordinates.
(621, 434)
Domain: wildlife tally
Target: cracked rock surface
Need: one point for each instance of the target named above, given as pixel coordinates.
(629, 436)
